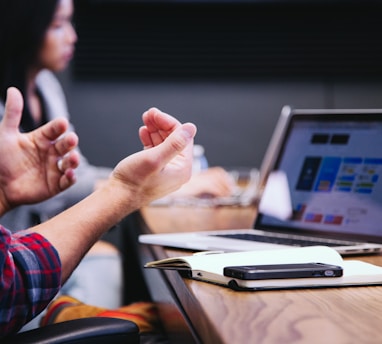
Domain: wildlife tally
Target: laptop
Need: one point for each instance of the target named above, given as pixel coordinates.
(332, 161)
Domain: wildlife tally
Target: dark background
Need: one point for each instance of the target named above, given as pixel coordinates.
(228, 66)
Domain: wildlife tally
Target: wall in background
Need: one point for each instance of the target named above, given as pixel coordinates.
(229, 70)
(235, 120)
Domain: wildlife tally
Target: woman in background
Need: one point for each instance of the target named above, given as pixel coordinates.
(37, 39)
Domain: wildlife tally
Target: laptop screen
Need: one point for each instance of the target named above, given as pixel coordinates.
(333, 163)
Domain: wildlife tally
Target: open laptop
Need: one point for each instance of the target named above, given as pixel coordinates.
(333, 163)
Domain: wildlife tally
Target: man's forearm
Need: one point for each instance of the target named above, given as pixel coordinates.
(74, 231)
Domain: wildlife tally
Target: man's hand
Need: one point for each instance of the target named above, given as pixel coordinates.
(166, 162)
(36, 165)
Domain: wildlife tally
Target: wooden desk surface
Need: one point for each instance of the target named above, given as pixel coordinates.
(220, 315)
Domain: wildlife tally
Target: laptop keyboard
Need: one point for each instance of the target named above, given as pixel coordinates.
(285, 241)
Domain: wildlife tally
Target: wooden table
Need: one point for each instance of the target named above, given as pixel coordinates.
(195, 311)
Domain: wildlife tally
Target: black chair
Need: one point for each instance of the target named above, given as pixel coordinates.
(96, 330)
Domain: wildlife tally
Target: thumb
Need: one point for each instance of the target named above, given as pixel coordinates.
(13, 109)
(178, 142)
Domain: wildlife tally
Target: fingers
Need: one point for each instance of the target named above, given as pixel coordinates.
(157, 126)
(66, 166)
(145, 137)
(154, 119)
(70, 158)
(13, 110)
(167, 135)
(180, 141)
(66, 143)
(67, 179)
(53, 129)
(69, 162)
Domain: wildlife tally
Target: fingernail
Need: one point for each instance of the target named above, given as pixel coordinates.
(189, 130)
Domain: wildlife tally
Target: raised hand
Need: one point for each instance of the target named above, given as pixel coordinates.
(166, 162)
(36, 165)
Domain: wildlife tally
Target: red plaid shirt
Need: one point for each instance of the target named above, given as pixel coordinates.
(30, 277)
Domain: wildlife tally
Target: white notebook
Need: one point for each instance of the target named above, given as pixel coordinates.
(208, 267)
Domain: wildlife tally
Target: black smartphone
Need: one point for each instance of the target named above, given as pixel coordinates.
(278, 271)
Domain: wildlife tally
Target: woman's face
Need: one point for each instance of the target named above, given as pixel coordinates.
(58, 45)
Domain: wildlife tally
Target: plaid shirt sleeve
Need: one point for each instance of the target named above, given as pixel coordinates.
(30, 277)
